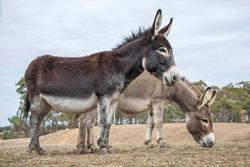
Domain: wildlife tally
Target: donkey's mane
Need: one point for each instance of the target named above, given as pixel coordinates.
(194, 87)
(134, 35)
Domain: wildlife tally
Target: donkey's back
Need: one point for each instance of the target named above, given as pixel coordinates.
(76, 77)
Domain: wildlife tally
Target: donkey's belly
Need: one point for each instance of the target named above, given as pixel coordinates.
(133, 105)
(70, 105)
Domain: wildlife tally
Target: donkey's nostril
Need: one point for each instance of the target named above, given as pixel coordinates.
(211, 143)
(203, 144)
(175, 78)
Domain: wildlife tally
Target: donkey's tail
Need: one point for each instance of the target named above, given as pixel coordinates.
(26, 107)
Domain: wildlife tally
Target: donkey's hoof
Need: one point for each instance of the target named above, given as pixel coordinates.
(80, 146)
(84, 150)
(148, 144)
(40, 151)
(30, 150)
(92, 148)
(161, 143)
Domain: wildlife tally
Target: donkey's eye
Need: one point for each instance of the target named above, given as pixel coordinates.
(162, 49)
(205, 120)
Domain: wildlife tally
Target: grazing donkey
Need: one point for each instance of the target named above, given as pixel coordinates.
(147, 93)
(76, 84)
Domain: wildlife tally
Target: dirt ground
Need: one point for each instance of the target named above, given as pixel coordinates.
(232, 148)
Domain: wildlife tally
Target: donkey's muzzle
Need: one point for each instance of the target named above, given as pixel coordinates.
(208, 140)
(211, 143)
(208, 144)
(171, 76)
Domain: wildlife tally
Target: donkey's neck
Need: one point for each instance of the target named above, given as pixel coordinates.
(131, 55)
(183, 96)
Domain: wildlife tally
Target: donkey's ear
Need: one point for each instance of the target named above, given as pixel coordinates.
(165, 30)
(207, 98)
(156, 24)
(214, 94)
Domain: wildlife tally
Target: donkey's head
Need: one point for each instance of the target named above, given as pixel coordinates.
(158, 58)
(200, 122)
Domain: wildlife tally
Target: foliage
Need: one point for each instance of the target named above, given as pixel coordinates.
(232, 102)
(15, 122)
(8, 134)
(21, 90)
(5, 128)
(173, 113)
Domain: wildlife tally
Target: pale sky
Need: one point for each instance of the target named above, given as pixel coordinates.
(210, 39)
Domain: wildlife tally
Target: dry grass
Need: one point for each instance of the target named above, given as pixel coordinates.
(232, 149)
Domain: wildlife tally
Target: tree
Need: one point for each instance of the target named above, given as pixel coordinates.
(231, 100)
(22, 91)
(17, 121)
(172, 113)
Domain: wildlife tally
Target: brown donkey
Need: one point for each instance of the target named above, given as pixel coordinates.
(76, 84)
(147, 93)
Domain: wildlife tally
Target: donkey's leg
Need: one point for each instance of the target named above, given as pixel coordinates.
(110, 113)
(90, 137)
(158, 110)
(39, 109)
(82, 135)
(103, 104)
(150, 127)
(90, 121)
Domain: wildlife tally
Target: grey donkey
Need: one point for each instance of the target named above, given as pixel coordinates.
(147, 94)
